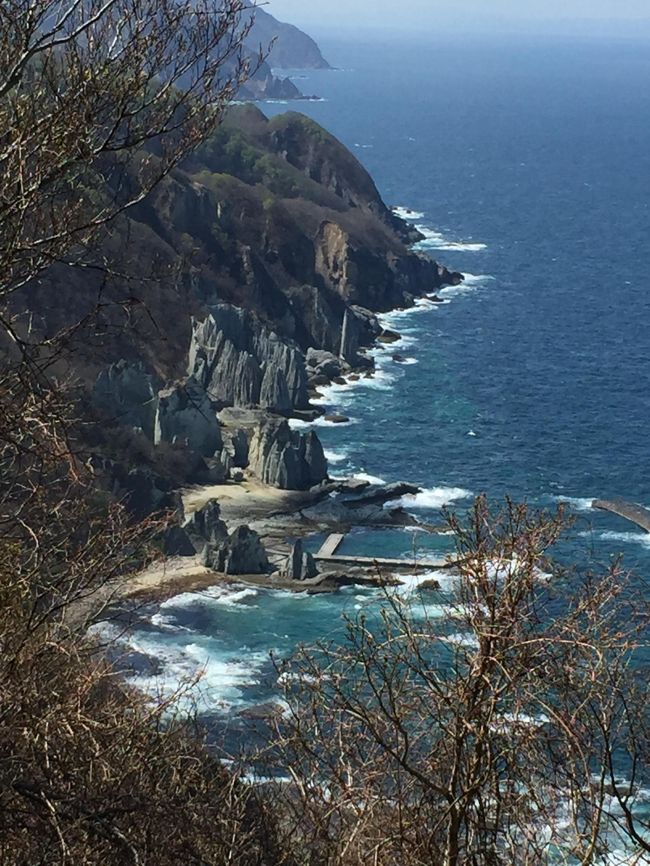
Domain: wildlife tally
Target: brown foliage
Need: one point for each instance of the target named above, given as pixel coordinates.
(98, 102)
(496, 745)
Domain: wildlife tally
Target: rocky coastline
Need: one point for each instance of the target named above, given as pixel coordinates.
(262, 488)
(209, 420)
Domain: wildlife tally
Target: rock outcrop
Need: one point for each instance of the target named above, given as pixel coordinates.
(127, 393)
(140, 490)
(186, 416)
(206, 528)
(240, 362)
(242, 553)
(300, 564)
(363, 504)
(286, 458)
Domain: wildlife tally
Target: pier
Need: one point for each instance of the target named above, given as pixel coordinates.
(627, 510)
(328, 554)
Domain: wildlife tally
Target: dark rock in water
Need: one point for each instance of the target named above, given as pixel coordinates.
(388, 337)
(267, 712)
(285, 458)
(300, 564)
(399, 359)
(205, 527)
(338, 513)
(186, 416)
(339, 380)
(176, 542)
(128, 394)
(400, 517)
(242, 553)
(319, 380)
(360, 503)
(429, 585)
(380, 493)
(337, 419)
(354, 377)
(436, 300)
(319, 359)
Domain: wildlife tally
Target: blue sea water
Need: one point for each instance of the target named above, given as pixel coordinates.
(528, 166)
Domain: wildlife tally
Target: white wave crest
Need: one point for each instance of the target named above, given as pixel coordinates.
(578, 503)
(406, 213)
(221, 678)
(299, 424)
(226, 596)
(166, 623)
(641, 538)
(335, 456)
(371, 479)
(434, 497)
(435, 240)
(470, 284)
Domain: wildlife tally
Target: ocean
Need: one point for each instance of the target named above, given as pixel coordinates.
(525, 162)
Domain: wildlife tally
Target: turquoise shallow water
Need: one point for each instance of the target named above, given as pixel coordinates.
(528, 167)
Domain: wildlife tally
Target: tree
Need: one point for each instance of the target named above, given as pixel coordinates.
(99, 100)
(498, 740)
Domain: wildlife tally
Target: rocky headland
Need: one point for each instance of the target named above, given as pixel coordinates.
(282, 46)
(263, 264)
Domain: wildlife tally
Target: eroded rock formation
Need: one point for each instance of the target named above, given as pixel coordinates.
(240, 362)
(286, 458)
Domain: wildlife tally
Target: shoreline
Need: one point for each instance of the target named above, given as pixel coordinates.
(278, 515)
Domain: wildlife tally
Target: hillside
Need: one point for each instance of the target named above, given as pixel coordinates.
(257, 269)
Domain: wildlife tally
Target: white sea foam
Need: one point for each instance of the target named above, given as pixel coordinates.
(226, 596)
(407, 362)
(406, 213)
(371, 479)
(435, 240)
(576, 502)
(464, 639)
(470, 284)
(299, 424)
(434, 497)
(167, 623)
(335, 456)
(329, 394)
(221, 676)
(641, 538)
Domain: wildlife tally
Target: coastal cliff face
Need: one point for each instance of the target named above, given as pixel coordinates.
(291, 48)
(261, 263)
(284, 47)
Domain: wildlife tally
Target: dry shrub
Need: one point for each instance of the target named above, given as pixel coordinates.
(494, 740)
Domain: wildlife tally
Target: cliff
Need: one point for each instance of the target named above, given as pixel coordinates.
(284, 47)
(256, 269)
(291, 48)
